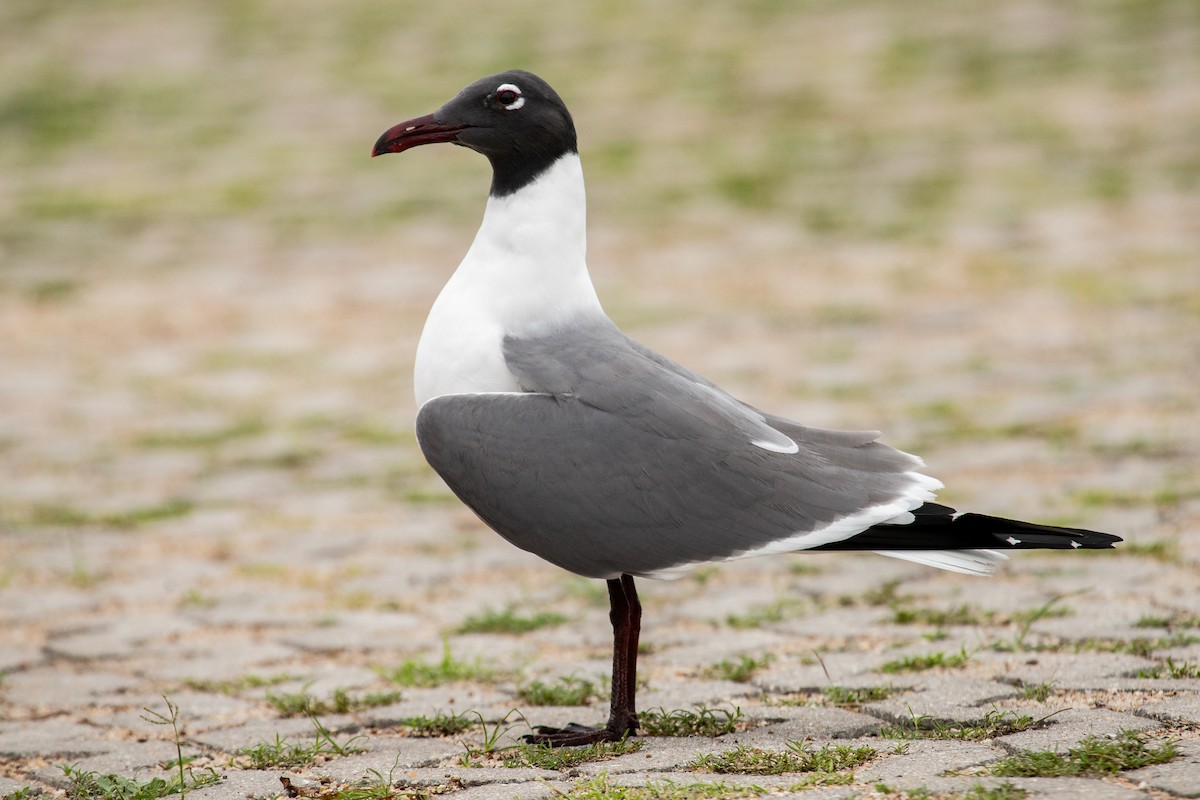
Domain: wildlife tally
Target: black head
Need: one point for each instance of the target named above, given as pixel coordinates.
(514, 118)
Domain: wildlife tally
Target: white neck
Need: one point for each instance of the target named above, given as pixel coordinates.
(524, 275)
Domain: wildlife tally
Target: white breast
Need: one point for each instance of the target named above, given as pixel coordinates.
(525, 272)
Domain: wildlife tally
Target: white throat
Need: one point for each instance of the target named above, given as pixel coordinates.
(525, 275)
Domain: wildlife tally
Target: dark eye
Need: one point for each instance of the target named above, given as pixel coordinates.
(509, 96)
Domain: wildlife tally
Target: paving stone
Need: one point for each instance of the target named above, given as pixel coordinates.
(1180, 776)
(64, 686)
(241, 783)
(51, 737)
(923, 760)
(9, 786)
(817, 722)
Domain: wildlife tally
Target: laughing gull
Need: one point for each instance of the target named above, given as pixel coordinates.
(584, 447)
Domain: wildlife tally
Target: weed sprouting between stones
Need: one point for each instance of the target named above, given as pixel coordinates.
(441, 724)
(740, 671)
(282, 753)
(509, 621)
(296, 704)
(744, 760)
(703, 721)
(920, 663)
(1092, 756)
(995, 722)
(566, 691)
(844, 696)
(416, 672)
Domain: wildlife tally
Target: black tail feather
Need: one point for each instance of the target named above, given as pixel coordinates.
(936, 528)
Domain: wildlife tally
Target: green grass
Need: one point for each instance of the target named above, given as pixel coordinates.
(1175, 619)
(566, 691)
(90, 785)
(509, 621)
(297, 704)
(243, 429)
(235, 686)
(757, 617)
(844, 696)
(994, 723)
(601, 787)
(703, 721)
(285, 754)
(1091, 757)
(64, 516)
(927, 661)
(740, 671)
(1037, 691)
(1169, 669)
(419, 673)
(744, 760)
(440, 724)
(542, 756)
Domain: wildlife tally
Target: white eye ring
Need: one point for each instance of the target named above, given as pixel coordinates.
(510, 87)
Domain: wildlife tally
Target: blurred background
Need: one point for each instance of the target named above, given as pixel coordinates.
(973, 225)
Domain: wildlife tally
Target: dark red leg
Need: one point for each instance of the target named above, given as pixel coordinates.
(626, 616)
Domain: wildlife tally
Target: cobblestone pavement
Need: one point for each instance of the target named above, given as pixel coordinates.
(973, 228)
(229, 513)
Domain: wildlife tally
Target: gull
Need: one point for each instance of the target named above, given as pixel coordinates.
(580, 445)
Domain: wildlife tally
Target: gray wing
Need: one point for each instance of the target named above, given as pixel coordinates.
(617, 462)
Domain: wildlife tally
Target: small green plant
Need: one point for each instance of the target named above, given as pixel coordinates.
(995, 722)
(491, 738)
(1174, 620)
(88, 785)
(416, 672)
(236, 685)
(785, 608)
(740, 671)
(843, 696)
(920, 663)
(743, 760)
(703, 721)
(438, 725)
(282, 753)
(295, 704)
(1169, 669)
(602, 788)
(566, 691)
(1092, 756)
(1037, 691)
(186, 778)
(509, 621)
(543, 756)
(958, 615)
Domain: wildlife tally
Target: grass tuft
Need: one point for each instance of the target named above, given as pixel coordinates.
(419, 673)
(1093, 756)
(994, 723)
(740, 671)
(920, 663)
(567, 691)
(509, 621)
(703, 721)
(441, 724)
(602, 788)
(743, 760)
(842, 696)
(543, 756)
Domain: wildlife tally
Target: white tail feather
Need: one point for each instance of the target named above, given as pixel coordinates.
(968, 562)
